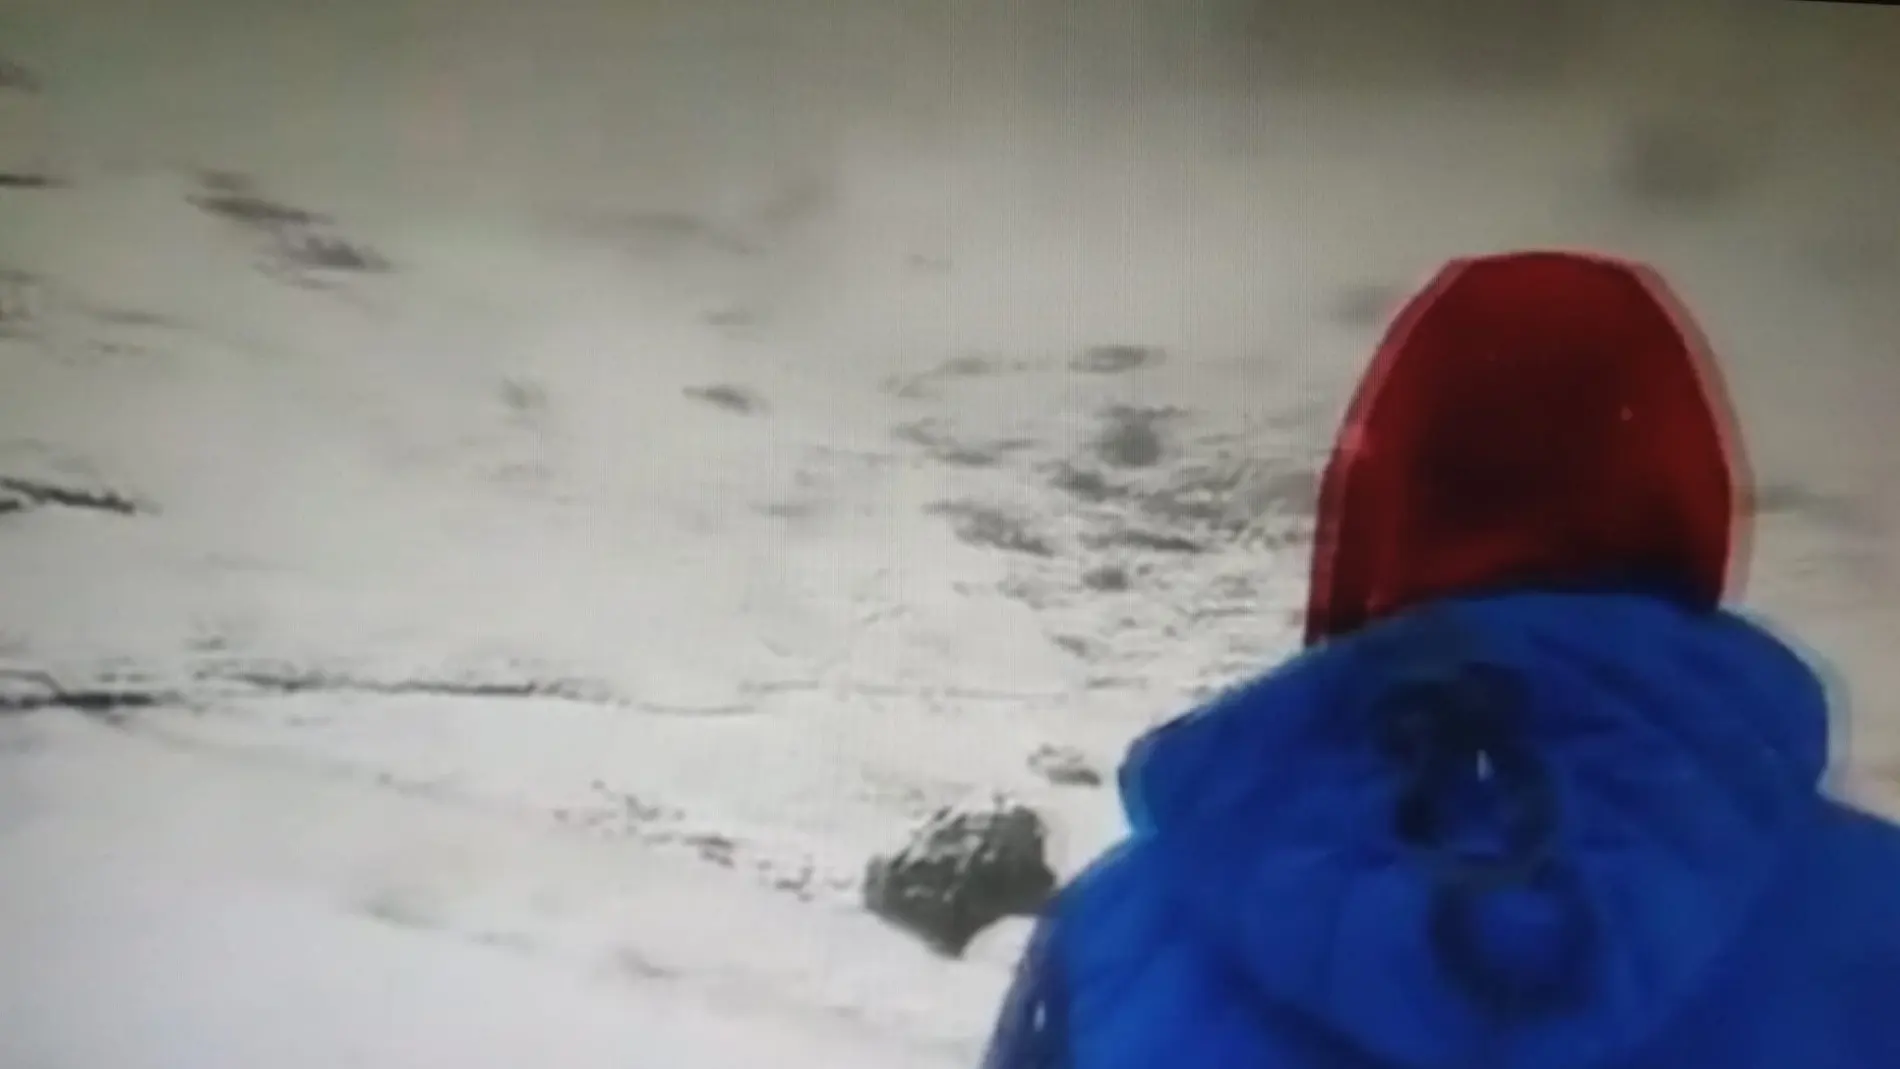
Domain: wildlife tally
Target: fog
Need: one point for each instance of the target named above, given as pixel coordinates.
(851, 188)
(647, 360)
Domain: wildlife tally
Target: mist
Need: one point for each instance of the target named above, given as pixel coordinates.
(526, 471)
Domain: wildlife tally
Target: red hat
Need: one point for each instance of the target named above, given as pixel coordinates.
(1534, 420)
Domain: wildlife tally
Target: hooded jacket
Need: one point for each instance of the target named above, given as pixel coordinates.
(1530, 799)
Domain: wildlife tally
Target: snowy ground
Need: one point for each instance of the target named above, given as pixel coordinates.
(552, 491)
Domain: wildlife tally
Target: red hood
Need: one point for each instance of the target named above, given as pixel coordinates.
(1535, 419)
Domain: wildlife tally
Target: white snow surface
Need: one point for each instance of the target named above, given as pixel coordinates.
(545, 625)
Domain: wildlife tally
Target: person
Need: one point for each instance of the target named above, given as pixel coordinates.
(1531, 797)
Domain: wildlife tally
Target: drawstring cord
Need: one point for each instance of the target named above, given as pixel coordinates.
(1454, 735)
(1453, 732)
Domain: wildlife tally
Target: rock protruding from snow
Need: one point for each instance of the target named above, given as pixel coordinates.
(1115, 359)
(962, 871)
(1064, 766)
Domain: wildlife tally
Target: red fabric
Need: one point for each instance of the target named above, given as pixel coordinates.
(1535, 419)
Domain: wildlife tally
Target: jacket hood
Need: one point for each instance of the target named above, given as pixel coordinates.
(1534, 419)
(1512, 830)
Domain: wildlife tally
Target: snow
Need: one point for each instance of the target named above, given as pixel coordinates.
(172, 909)
(551, 624)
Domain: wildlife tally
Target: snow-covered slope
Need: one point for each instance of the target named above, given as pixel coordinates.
(554, 487)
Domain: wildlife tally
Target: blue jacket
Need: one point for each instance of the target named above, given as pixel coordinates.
(1530, 831)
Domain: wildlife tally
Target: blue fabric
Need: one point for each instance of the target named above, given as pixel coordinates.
(1031, 1032)
(1529, 831)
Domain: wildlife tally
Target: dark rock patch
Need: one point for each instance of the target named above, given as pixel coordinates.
(525, 401)
(638, 966)
(617, 814)
(1085, 648)
(22, 495)
(106, 701)
(233, 200)
(713, 847)
(962, 871)
(1106, 579)
(294, 680)
(1085, 484)
(991, 527)
(28, 180)
(924, 385)
(1064, 766)
(1130, 438)
(940, 446)
(1115, 359)
(1227, 497)
(731, 398)
(299, 241)
(967, 366)
(1136, 538)
(326, 252)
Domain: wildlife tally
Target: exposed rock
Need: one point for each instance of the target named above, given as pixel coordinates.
(730, 398)
(326, 252)
(962, 871)
(926, 384)
(1106, 578)
(299, 241)
(1085, 484)
(991, 527)
(108, 701)
(1130, 438)
(21, 495)
(526, 402)
(1064, 766)
(1115, 359)
(231, 197)
(1229, 495)
(940, 445)
(1080, 646)
(28, 180)
(1137, 538)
